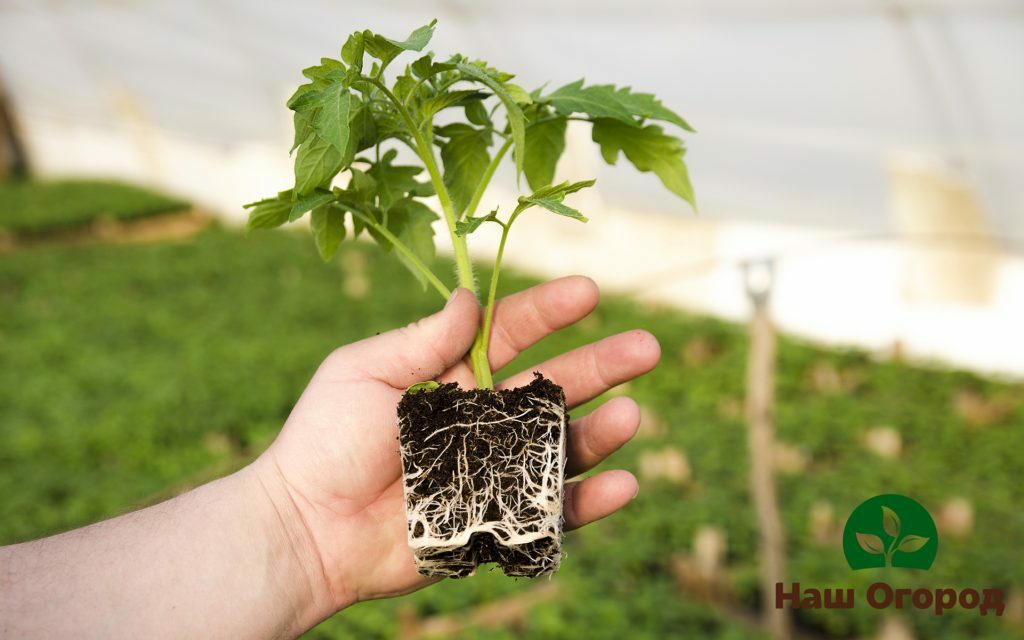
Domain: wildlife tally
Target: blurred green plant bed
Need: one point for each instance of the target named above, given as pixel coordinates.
(133, 372)
(34, 207)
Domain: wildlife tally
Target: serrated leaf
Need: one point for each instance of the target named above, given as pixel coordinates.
(648, 149)
(309, 202)
(476, 113)
(646, 105)
(871, 543)
(912, 543)
(316, 164)
(412, 222)
(328, 226)
(417, 39)
(465, 159)
(555, 206)
(352, 51)
(303, 123)
(324, 71)
(331, 121)
(269, 212)
(597, 101)
(470, 224)
(302, 96)
(545, 142)
(516, 119)
(890, 522)
(425, 67)
(363, 133)
(519, 94)
(432, 105)
(551, 196)
(394, 182)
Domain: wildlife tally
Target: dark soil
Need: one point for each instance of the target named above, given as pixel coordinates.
(483, 459)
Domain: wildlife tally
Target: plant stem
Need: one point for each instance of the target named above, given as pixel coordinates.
(486, 179)
(463, 266)
(478, 353)
(399, 246)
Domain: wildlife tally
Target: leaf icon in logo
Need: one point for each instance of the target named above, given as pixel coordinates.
(912, 543)
(871, 543)
(890, 522)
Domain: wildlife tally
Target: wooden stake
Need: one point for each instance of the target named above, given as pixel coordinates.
(761, 440)
(13, 161)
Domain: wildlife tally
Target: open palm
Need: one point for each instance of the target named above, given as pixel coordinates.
(337, 458)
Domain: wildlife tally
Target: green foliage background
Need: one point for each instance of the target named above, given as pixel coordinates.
(33, 206)
(133, 372)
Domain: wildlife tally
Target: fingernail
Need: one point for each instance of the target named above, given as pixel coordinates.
(636, 493)
(451, 298)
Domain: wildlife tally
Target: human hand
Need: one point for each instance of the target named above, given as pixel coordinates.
(334, 473)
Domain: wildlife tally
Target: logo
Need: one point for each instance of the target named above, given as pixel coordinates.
(887, 531)
(890, 530)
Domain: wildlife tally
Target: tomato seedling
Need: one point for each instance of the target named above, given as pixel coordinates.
(461, 119)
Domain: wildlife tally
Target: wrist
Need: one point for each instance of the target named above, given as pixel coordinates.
(305, 584)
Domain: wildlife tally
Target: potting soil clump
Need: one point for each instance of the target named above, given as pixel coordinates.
(484, 474)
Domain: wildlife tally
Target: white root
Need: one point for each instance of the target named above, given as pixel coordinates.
(516, 497)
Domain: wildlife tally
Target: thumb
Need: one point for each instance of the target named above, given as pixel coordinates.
(424, 349)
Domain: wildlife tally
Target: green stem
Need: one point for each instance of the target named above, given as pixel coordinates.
(486, 179)
(424, 270)
(478, 353)
(463, 266)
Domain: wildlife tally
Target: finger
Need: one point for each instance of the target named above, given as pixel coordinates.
(589, 371)
(526, 317)
(597, 497)
(418, 352)
(593, 438)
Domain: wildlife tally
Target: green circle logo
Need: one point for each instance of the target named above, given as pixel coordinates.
(890, 530)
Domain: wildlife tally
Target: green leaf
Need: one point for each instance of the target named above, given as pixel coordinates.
(363, 134)
(555, 206)
(432, 105)
(871, 543)
(309, 202)
(646, 105)
(890, 522)
(551, 197)
(316, 164)
(332, 119)
(327, 69)
(517, 93)
(417, 39)
(394, 182)
(411, 221)
(269, 212)
(476, 113)
(303, 121)
(545, 142)
(472, 223)
(597, 101)
(328, 226)
(352, 51)
(516, 119)
(912, 543)
(465, 160)
(421, 387)
(649, 149)
(425, 67)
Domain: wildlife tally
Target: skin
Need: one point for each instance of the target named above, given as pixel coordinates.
(317, 522)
